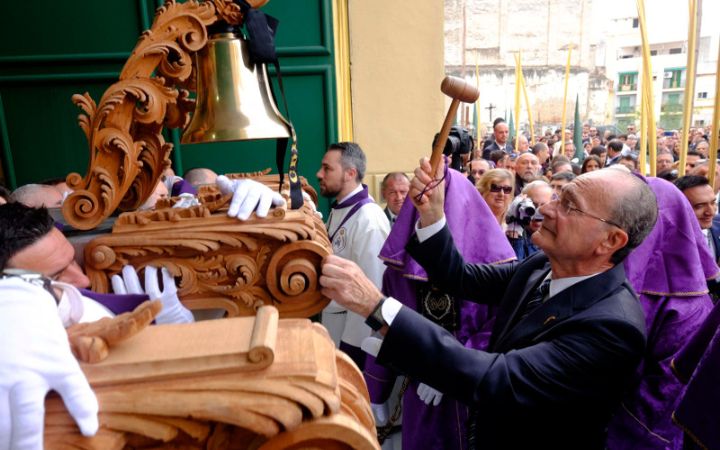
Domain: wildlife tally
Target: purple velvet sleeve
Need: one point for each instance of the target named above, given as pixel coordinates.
(118, 304)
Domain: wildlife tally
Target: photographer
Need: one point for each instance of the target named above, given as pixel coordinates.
(458, 147)
(524, 219)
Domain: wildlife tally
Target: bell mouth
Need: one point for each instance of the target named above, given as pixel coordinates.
(234, 99)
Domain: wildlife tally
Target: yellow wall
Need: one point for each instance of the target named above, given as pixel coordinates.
(396, 66)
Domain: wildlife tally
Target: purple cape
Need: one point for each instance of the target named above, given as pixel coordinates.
(479, 239)
(663, 270)
(182, 187)
(116, 303)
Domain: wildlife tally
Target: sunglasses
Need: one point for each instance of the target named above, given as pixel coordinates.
(505, 189)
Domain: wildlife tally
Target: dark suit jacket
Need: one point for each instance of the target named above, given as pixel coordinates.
(389, 216)
(550, 380)
(494, 146)
(715, 233)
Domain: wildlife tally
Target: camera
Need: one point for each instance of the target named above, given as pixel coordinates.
(521, 211)
(459, 142)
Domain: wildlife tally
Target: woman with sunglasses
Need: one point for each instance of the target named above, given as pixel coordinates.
(496, 187)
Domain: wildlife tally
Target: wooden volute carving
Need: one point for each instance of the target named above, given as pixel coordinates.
(124, 131)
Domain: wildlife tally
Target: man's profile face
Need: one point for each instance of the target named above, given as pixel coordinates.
(527, 166)
(395, 192)
(501, 133)
(53, 256)
(702, 200)
(331, 175)
(543, 155)
(523, 144)
(568, 234)
(570, 150)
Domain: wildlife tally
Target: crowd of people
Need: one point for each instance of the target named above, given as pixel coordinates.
(535, 298)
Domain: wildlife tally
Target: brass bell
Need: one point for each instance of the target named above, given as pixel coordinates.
(234, 99)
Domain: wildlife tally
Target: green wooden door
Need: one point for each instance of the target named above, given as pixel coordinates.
(51, 50)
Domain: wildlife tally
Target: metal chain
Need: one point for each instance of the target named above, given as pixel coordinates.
(384, 431)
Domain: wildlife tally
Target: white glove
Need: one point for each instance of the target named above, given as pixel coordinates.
(186, 200)
(429, 395)
(173, 311)
(381, 412)
(249, 196)
(35, 358)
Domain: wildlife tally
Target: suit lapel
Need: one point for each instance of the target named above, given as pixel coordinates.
(562, 306)
(533, 282)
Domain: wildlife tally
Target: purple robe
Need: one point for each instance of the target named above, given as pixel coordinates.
(479, 239)
(116, 303)
(182, 187)
(699, 361)
(668, 271)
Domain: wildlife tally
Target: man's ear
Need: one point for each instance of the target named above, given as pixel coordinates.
(616, 239)
(350, 174)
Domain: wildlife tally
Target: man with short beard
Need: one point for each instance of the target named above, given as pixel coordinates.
(527, 169)
(357, 228)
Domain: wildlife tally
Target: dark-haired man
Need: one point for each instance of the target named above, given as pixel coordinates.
(614, 152)
(701, 196)
(30, 241)
(501, 133)
(357, 228)
(569, 332)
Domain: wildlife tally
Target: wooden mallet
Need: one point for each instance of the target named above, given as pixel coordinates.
(460, 91)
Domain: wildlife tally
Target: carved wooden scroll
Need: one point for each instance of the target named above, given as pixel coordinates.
(219, 261)
(124, 131)
(303, 394)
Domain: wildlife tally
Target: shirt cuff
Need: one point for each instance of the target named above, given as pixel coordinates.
(389, 310)
(423, 234)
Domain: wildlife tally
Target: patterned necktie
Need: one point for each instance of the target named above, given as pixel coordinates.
(537, 299)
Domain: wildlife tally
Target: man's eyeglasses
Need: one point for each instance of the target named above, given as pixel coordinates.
(505, 189)
(567, 207)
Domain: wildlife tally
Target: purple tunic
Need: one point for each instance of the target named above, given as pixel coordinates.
(699, 361)
(669, 272)
(479, 239)
(182, 187)
(116, 303)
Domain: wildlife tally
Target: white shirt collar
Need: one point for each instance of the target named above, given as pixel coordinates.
(558, 285)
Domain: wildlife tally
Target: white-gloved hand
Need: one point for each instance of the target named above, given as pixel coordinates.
(35, 358)
(248, 196)
(429, 395)
(381, 412)
(173, 311)
(186, 200)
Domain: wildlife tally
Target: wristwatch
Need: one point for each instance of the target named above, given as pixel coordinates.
(375, 320)
(31, 277)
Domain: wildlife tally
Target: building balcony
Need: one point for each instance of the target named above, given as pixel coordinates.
(671, 108)
(624, 109)
(628, 87)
